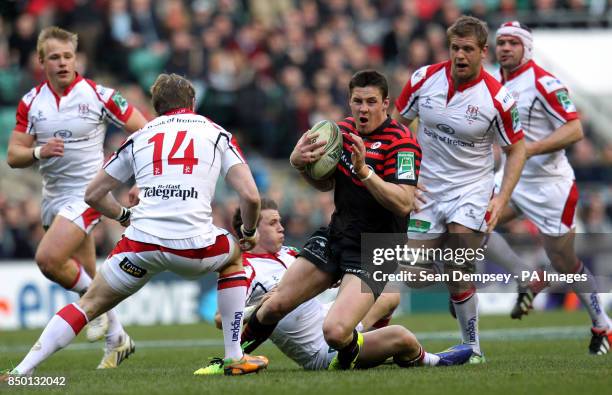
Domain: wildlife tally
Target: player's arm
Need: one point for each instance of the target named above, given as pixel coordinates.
(136, 121)
(397, 198)
(21, 152)
(239, 177)
(564, 136)
(410, 123)
(306, 152)
(98, 196)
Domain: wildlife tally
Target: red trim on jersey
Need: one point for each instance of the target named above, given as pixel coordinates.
(21, 124)
(220, 247)
(408, 90)
(89, 216)
(241, 272)
(516, 72)
(494, 86)
(179, 111)
(551, 98)
(273, 257)
(463, 86)
(110, 104)
(567, 218)
(235, 144)
(76, 80)
(74, 317)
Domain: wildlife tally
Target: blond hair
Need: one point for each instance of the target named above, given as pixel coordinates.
(54, 32)
(466, 26)
(171, 91)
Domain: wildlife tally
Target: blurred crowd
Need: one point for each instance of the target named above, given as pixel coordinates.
(266, 70)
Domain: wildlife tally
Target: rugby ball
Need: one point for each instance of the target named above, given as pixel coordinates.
(325, 166)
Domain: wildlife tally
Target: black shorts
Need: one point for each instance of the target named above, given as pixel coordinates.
(337, 258)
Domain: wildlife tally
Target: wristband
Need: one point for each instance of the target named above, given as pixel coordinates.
(124, 216)
(36, 153)
(370, 173)
(247, 233)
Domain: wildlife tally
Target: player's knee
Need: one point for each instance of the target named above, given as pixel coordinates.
(47, 264)
(404, 339)
(336, 334)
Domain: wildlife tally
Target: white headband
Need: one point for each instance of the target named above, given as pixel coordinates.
(520, 31)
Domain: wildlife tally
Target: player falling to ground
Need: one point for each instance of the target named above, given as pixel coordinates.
(546, 192)
(61, 126)
(372, 194)
(176, 160)
(462, 112)
(299, 335)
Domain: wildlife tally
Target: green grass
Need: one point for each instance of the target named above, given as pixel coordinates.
(527, 363)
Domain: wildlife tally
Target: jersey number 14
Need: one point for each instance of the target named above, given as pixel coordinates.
(188, 160)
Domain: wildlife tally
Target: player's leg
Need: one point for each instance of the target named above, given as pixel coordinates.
(354, 299)
(380, 313)
(562, 255)
(68, 322)
(399, 343)
(463, 293)
(301, 282)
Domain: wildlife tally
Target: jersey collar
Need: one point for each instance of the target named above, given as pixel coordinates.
(461, 87)
(516, 72)
(77, 79)
(179, 111)
(273, 257)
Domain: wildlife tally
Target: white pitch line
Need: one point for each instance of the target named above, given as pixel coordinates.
(544, 333)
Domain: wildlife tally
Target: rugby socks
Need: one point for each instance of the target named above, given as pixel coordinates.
(589, 296)
(255, 333)
(348, 354)
(466, 307)
(59, 332)
(500, 253)
(82, 280)
(231, 295)
(422, 359)
(114, 334)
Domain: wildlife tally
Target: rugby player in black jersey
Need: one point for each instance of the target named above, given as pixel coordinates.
(374, 191)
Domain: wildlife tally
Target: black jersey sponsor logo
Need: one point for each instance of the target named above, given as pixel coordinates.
(445, 128)
(131, 269)
(446, 139)
(166, 192)
(62, 134)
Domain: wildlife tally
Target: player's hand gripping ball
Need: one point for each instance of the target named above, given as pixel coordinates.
(325, 166)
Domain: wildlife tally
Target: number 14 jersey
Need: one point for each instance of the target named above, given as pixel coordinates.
(176, 159)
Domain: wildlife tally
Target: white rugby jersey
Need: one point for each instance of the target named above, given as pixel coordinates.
(176, 159)
(79, 118)
(299, 335)
(544, 105)
(457, 127)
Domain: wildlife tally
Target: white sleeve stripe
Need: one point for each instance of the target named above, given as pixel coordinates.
(549, 109)
(409, 105)
(235, 151)
(112, 117)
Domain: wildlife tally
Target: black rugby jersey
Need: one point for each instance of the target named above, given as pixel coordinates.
(395, 155)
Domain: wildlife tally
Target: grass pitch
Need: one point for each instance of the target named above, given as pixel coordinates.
(546, 353)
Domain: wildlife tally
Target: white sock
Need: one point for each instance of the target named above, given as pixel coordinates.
(59, 332)
(589, 296)
(82, 280)
(429, 359)
(114, 335)
(500, 253)
(231, 294)
(466, 308)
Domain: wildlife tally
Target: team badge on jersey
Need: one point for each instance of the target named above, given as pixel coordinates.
(418, 226)
(564, 100)
(471, 114)
(516, 121)
(120, 102)
(405, 166)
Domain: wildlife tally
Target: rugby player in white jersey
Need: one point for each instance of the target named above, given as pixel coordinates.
(462, 112)
(176, 159)
(299, 335)
(546, 192)
(61, 125)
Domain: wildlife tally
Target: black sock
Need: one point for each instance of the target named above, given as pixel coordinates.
(254, 333)
(347, 354)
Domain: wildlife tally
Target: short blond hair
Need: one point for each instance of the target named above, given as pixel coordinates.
(57, 33)
(171, 91)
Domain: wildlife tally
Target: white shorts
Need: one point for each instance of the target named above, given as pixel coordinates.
(74, 209)
(549, 204)
(132, 263)
(469, 209)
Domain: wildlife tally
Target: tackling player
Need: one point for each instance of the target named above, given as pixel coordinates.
(374, 186)
(546, 192)
(61, 126)
(299, 335)
(176, 160)
(462, 112)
